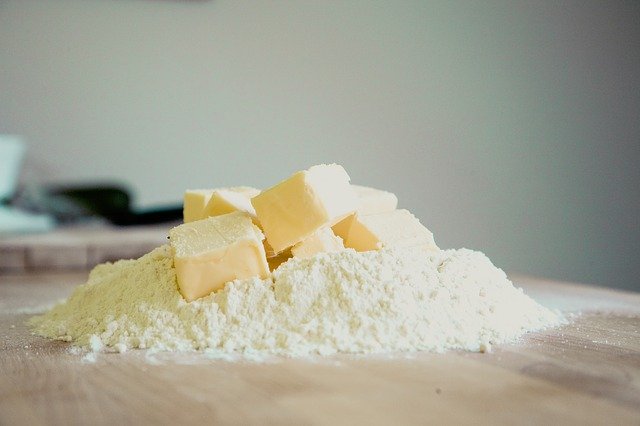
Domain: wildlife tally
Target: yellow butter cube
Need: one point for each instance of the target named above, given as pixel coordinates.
(398, 228)
(373, 201)
(198, 202)
(195, 200)
(211, 252)
(321, 241)
(370, 201)
(225, 201)
(247, 191)
(311, 199)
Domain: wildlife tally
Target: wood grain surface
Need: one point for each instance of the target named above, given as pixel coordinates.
(77, 247)
(587, 372)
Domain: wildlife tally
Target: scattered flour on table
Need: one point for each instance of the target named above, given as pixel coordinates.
(38, 309)
(371, 302)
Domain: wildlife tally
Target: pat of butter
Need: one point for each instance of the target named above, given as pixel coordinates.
(211, 252)
(197, 202)
(225, 201)
(311, 199)
(321, 241)
(370, 201)
(398, 228)
(247, 191)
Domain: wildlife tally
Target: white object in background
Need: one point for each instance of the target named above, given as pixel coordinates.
(11, 153)
(12, 220)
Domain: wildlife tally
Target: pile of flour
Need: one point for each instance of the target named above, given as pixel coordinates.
(371, 302)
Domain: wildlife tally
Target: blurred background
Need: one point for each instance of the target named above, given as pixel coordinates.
(511, 127)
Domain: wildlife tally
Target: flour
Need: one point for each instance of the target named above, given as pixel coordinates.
(371, 302)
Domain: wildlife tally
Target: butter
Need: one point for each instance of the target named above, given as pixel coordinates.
(373, 201)
(195, 200)
(275, 259)
(398, 228)
(268, 249)
(343, 227)
(370, 201)
(225, 201)
(198, 202)
(247, 191)
(278, 259)
(311, 199)
(211, 252)
(323, 240)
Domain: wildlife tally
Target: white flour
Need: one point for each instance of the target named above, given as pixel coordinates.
(372, 302)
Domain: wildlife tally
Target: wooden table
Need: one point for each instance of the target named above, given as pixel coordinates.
(584, 373)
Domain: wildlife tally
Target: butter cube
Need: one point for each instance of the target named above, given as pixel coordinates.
(323, 240)
(342, 228)
(197, 202)
(311, 199)
(247, 191)
(225, 201)
(398, 228)
(211, 252)
(370, 201)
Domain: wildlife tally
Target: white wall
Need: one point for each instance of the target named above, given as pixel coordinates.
(510, 127)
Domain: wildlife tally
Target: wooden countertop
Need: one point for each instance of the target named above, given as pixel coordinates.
(587, 372)
(78, 247)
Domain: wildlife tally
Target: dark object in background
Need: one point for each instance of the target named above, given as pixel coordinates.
(111, 202)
